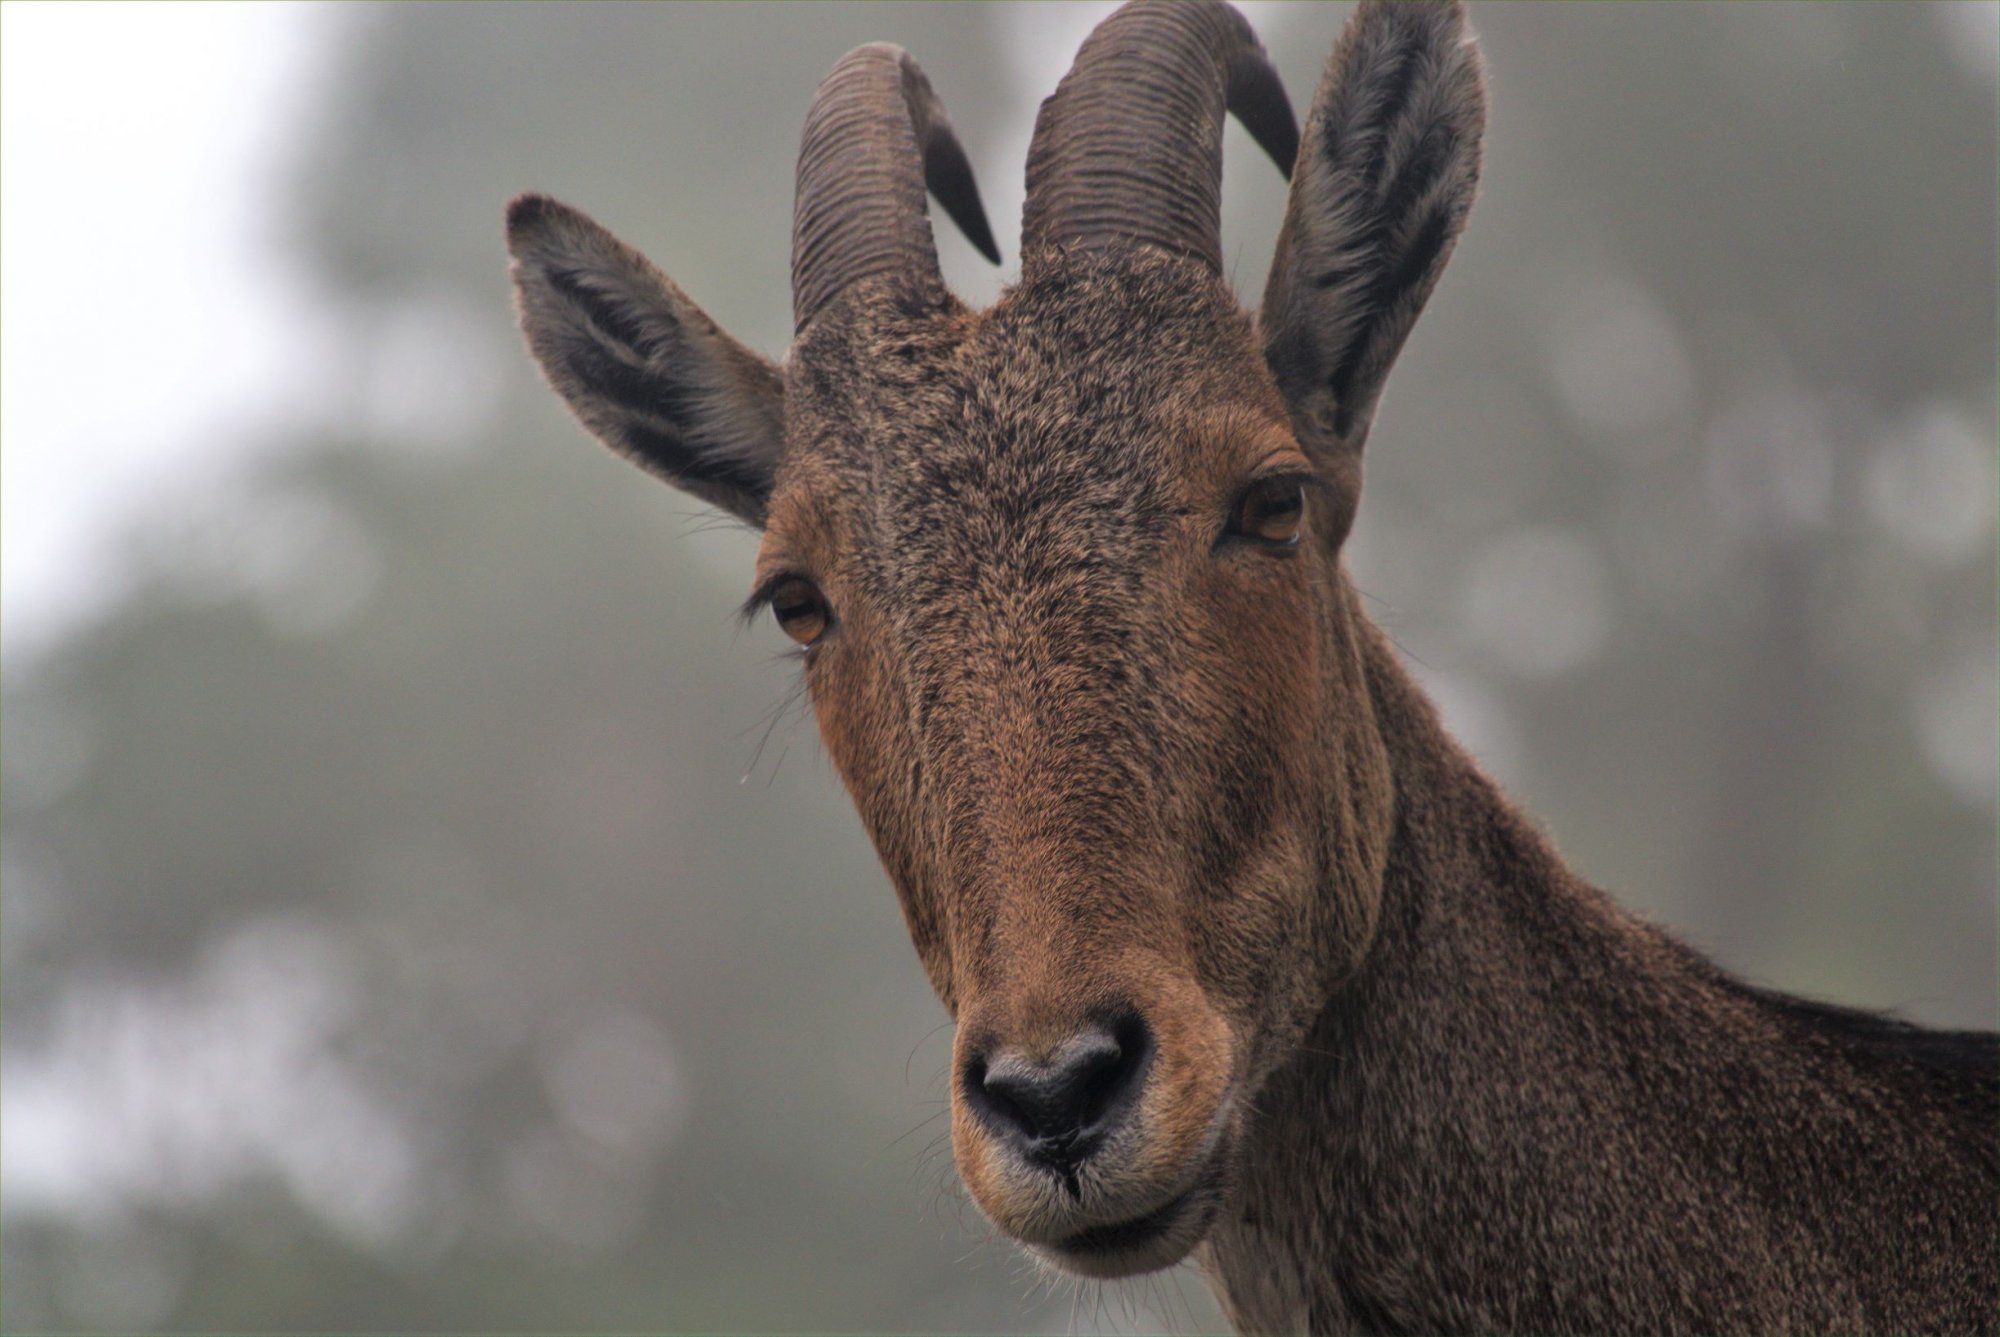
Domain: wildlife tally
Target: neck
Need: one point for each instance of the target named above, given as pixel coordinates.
(1529, 1111)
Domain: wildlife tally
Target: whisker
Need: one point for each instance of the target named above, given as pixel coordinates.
(919, 1045)
(918, 1127)
(777, 716)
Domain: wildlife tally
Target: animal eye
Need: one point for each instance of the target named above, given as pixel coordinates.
(800, 609)
(1270, 511)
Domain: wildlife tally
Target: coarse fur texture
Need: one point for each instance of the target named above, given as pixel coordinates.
(1249, 961)
(1591, 1128)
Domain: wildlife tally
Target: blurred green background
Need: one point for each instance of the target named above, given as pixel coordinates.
(425, 909)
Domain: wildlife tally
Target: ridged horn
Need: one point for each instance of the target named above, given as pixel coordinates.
(1129, 147)
(875, 137)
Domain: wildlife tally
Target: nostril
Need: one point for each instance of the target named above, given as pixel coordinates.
(1058, 1098)
(1058, 1109)
(1115, 1071)
(994, 1097)
(1098, 1081)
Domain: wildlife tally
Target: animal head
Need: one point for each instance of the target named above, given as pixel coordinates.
(1065, 572)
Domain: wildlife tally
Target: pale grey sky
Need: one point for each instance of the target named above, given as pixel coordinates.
(152, 327)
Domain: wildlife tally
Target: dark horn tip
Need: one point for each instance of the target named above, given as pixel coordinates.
(950, 178)
(947, 170)
(1273, 126)
(1257, 99)
(980, 234)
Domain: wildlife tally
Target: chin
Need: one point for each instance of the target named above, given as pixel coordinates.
(1150, 1242)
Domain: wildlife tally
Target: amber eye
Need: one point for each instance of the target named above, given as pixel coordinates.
(800, 609)
(1270, 511)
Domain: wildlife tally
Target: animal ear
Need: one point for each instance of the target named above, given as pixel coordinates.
(640, 364)
(1385, 177)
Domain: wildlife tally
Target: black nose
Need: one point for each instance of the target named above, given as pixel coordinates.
(1058, 1111)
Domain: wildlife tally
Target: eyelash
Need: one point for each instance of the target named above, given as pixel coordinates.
(760, 598)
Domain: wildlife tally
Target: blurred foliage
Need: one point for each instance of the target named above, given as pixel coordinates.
(426, 910)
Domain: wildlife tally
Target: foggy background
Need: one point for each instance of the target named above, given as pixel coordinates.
(422, 910)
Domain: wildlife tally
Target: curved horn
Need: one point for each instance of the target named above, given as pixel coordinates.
(1129, 147)
(875, 136)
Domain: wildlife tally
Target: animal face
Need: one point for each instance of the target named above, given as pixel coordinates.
(1071, 607)
(1065, 572)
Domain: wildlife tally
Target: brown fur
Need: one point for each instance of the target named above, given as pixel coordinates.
(1411, 1074)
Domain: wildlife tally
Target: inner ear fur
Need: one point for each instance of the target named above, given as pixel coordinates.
(1387, 168)
(643, 367)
